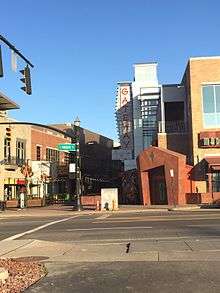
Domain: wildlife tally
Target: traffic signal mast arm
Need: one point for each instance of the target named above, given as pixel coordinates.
(15, 50)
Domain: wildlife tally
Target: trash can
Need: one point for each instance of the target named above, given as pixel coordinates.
(2, 206)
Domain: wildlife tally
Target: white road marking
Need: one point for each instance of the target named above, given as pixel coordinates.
(152, 219)
(38, 228)
(102, 217)
(108, 228)
(205, 225)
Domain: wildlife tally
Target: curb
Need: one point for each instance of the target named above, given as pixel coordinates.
(184, 209)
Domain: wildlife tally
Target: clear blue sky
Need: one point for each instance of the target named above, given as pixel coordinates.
(80, 50)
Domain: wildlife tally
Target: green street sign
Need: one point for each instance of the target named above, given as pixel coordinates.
(66, 147)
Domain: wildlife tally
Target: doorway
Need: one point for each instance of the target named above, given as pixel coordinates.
(158, 189)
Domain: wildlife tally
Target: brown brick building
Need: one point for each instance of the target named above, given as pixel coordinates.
(49, 165)
(185, 165)
(97, 167)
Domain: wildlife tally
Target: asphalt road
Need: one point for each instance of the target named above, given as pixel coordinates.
(135, 277)
(13, 226)
(96, 238)
(129, 226)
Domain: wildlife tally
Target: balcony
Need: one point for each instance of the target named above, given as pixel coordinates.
(172, 126)
(12, 163)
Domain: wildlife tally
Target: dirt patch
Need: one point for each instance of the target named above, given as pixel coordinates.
(23, 272)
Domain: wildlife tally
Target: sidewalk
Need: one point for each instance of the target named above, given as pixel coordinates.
(64, 210)
(48, 211)
(157, 250)
(158, 208)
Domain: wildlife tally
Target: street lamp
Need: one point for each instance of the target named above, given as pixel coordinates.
(78, 171)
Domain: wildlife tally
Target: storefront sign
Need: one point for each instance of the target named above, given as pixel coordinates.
(72, 168)
(209, 139)
(21, 182)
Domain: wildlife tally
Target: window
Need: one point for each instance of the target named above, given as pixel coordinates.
(20, 152)
(149, 108)
(7, 149)
(216, 181)
(211, 106)
(38, 153)
(52, 155)
(174, 111)
(147, 140)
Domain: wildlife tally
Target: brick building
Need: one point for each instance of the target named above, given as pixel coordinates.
(97, 168)
(15, 142)
(176, 133)
(49, 165)
(30, 162)
(190, 128)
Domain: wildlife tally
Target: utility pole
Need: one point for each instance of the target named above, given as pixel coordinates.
(78, 169)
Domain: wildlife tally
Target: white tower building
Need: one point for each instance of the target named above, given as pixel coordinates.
(137, 110)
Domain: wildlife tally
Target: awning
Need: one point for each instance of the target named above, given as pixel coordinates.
(14, 181)
(213, 162)
(9, 181)
(6, 103)
(21, 182)
(215, 168)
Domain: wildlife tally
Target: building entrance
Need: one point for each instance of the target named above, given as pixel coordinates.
(158, 189)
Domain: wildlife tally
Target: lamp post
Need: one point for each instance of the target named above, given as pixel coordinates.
(78, 171)
(172, 187)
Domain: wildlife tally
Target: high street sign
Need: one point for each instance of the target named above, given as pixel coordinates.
(66, 147)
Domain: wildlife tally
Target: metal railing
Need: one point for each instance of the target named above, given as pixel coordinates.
(172, 126)
(13, 161)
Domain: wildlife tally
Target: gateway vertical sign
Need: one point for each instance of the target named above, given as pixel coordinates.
(124, 120)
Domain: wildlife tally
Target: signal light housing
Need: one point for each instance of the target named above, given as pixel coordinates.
(1, 65)
(8, 133)
(26, 80)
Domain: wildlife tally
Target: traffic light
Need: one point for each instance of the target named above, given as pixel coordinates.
(8, 133)
(1, 66)
(26, 80)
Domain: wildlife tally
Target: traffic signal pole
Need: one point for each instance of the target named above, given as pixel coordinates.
(78, 164)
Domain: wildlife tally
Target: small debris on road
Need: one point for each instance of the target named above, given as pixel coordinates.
(128, 247)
